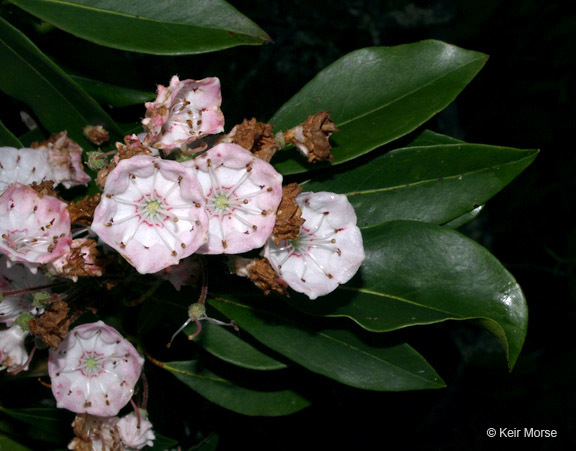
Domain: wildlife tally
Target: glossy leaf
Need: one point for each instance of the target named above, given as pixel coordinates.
(226, 345)
(430, 138)
(210, 443)
(33, 78)
(465, 218)
(8, 444)
(376, 95)
(7, 139)
(167, 27)
(239, 399)
(434, 184)
(162, 443)
(113, 95)
(337, 354)
(45, 423)
(419, 273)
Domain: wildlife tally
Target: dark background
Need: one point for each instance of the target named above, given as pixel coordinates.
(524, 97)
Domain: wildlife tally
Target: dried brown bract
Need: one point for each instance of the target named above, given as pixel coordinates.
(52, 326)
(313, 137)
(82, 211)
(45, 188)
(96, 134)
(289, 215)
(131, 147)
(257, 137)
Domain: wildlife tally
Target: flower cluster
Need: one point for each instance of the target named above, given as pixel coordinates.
(168, 198)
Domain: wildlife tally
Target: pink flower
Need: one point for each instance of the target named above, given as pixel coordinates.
(184, 112)
(24, 166)
(151, 212)
(94, 370)
(136, 433)
(34, 229)
(242, 193)
(81, 259)
(13, 353)
(13, 278)
(328, 251)
(65, 160)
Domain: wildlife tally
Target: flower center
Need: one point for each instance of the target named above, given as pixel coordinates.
(91, 363)
(152, 207)
(221, 202)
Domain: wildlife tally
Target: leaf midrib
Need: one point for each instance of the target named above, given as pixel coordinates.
(419, 88)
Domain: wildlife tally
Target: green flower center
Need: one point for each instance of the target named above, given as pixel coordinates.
(153, 207)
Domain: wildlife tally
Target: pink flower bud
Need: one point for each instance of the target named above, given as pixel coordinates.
(183, 112)
(328, 251)
(242, 193)
(136, 433)
(94, 370)
(34, 229)
(151, 212)
(13, 353)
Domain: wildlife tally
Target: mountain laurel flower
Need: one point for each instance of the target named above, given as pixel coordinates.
(136, 431)
(184, 112)
(65, 160)
(13, 353)
(242, 193)
(17, 277)
(25, 166)
(94, 370)
(34, 229)
(328, 251)
(81, 260)
(152, 212)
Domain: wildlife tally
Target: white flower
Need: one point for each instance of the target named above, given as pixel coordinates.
(24, 166)
(13, 353)
(14, 278)
(136, 436)
(151, 212)
(328, 251)
(94, 370)
(65, 160)
(34, 229)
(184, 112)
(242, 193)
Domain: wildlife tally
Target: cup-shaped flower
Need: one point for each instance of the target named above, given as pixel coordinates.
(17, 277)
(152, 212)
(25, 166)
(65, 159)
(136, 432)
(94, 370)
(242, 193)
(13, 353)
(328, 251)
(34, 229)
(183, 112)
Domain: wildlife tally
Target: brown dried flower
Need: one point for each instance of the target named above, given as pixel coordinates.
(313, 137)
(82, 211)
(96, 134)
(52, 326)
(289, 215)
(261, 273)
(257, 137)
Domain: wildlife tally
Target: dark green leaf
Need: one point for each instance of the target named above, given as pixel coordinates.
(432, 183)
(225, 345)
(430, 138)
(113, 95)
(46, 424)
(210, 443)
(339, 355)
(8, 139)
(8, 444)
(465, 218)
(162, 443)
(167, 27)
(59, 103)
(418, 273)
(376, 95)
(239, 399)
